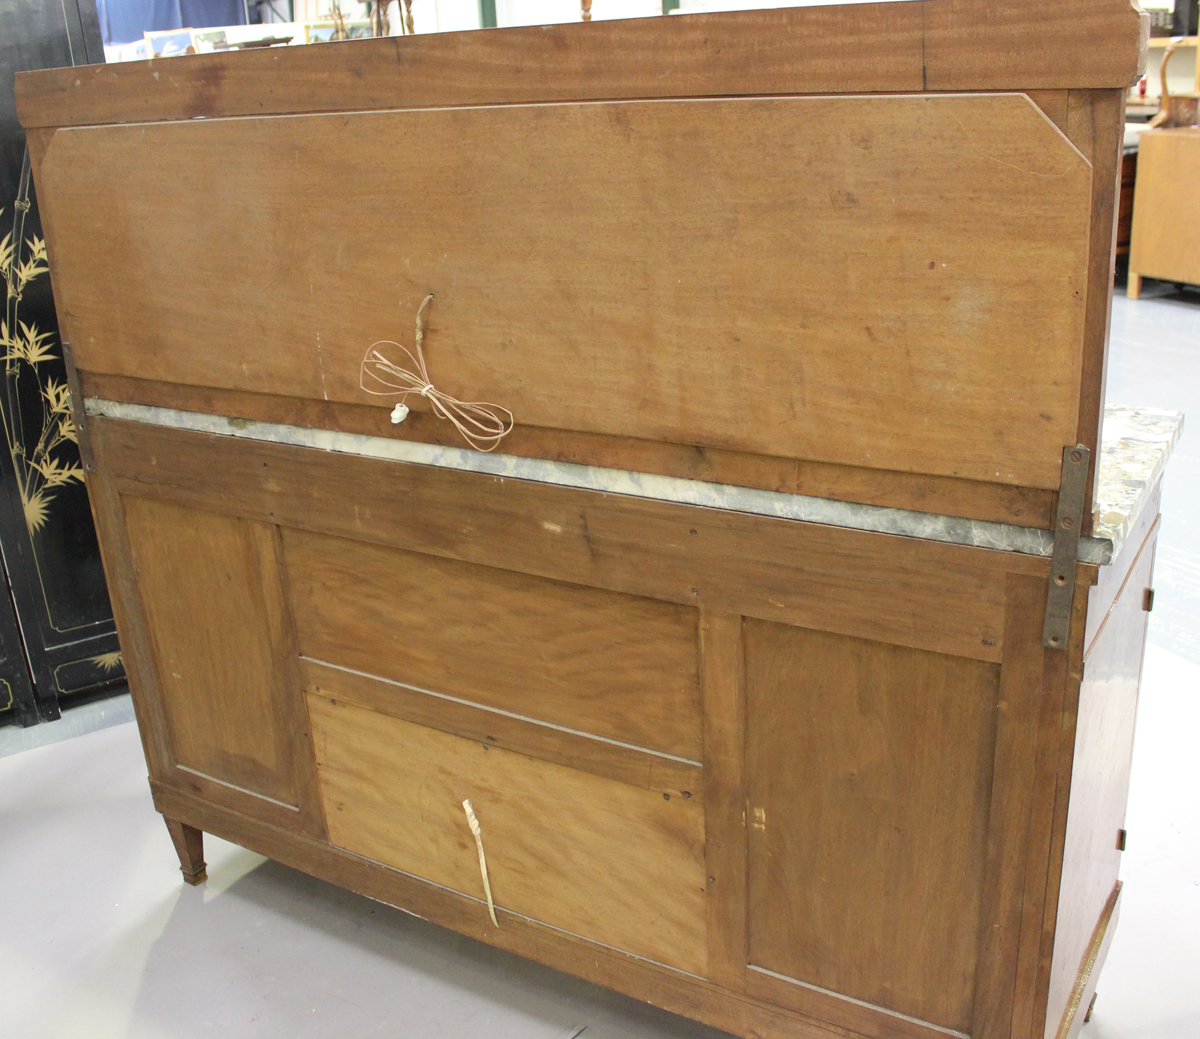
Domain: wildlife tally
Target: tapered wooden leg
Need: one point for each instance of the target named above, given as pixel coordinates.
(189, 843)
(1134, 288)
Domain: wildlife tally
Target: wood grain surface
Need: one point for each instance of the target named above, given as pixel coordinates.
(1096, 125)
(603, 758)
(930, 45)
(611, 665)
(723, 672)
(906, 591)
(1014, 772)
(219, 630)
(1166, 215)
(895, 282)
(642, 979)
(870, 770)
(947, 496)
(614, 863)
(1099, 787)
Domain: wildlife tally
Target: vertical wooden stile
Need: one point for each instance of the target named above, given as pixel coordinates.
(1021, 676)
(108, 513)
(1056, 745)
(1094, 121)
(291, 681)
(722, 676)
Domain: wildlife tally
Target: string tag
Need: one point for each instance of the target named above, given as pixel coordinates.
(477, 833)
(481, 424)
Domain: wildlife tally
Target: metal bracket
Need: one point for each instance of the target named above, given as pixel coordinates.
(78, 413)
(1068, 518)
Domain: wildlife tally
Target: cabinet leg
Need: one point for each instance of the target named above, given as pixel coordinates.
(189, 844)
(1134, 289)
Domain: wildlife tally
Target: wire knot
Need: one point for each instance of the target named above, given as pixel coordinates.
(482, 425)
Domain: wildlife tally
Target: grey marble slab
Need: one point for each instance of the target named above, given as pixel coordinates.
(1135, 444)
(949, 529)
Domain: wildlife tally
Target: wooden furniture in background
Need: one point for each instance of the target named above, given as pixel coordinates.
(788, 779)
(1129, 161)
(1166, 209)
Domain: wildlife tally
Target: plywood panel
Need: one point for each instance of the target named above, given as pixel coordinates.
(615, 863)
(209, 587)
(894, 282)
(870, 773)
(611, 665)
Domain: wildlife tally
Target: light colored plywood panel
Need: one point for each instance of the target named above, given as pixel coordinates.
(209, 589)
(611, 665)
(870, 772)
(896, 283)
(614, 863)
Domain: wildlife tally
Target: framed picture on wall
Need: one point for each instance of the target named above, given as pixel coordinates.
(169, 42)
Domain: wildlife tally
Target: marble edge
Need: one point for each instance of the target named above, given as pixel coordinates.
(877, 519)
(1135, 446)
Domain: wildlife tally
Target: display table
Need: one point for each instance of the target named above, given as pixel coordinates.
(779, 664)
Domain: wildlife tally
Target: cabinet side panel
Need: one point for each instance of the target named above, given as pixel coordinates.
(209, 587)
(1099, 785)
(869, 773)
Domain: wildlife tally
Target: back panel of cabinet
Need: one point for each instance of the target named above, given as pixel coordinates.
(896, 283)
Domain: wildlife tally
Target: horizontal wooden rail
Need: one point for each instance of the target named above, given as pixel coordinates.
(921, 45)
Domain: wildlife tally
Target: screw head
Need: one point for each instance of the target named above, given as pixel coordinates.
(1076, 456)
(1067, 522)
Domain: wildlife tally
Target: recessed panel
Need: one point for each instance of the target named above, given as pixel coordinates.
(210, 593)
(615, 863)
(870, 772)
(619, 666)
(889, 282)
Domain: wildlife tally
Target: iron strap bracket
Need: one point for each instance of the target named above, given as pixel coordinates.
(1068, 518)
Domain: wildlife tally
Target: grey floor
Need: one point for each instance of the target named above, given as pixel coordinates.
(99, 939)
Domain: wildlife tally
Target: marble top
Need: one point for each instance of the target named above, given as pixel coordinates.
(1136, 445)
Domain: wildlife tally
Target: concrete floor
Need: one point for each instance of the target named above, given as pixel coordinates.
(99, 939)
